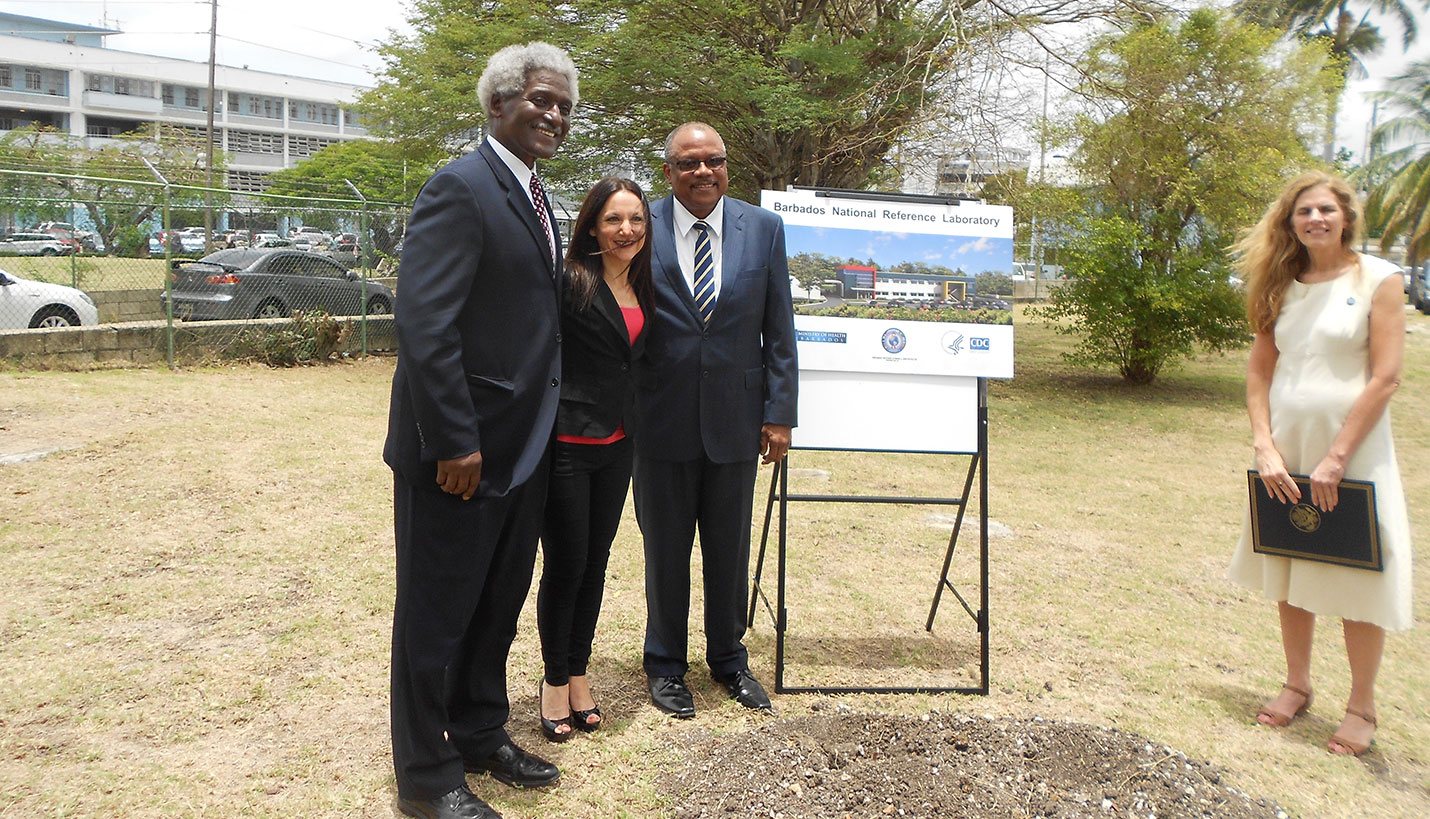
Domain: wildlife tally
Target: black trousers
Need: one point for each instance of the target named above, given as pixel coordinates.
(583, 512)
(463, 570)
(673, 500)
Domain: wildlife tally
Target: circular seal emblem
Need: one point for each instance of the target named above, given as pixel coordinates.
(894, 340)
(1305, 517)
(953, 342)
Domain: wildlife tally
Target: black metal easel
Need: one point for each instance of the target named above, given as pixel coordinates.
(779, 491)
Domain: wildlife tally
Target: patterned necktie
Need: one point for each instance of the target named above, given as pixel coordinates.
(538, 199)
(704, 272)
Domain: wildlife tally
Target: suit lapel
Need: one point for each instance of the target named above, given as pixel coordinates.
(605, 304)
(666, 261)
(520, 202)
(732, 248)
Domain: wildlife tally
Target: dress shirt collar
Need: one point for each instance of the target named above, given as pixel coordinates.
(685, 220)
(518, 168)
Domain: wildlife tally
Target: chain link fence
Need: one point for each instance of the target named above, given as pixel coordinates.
(96, 269)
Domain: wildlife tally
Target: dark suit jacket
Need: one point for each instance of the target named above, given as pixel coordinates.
(598, 388)
(478, 333)
(710, 388)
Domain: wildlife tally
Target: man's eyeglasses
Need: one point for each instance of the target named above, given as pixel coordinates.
(714, 163)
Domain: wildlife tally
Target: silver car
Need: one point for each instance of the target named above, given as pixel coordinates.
(30, 304)
(34, 244)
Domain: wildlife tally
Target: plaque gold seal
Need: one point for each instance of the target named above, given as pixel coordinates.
(1305, 517)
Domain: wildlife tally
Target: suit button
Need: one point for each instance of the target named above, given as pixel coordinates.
(705, 336)
(555, 382)
(558, 338)
(705, 374)
(625, 367)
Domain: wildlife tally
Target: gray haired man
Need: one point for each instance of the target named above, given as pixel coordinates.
(473, 407)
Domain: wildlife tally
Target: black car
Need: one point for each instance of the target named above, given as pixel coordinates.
(271, 283)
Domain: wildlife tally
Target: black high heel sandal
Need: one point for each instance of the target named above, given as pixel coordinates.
(579, 719)
(549, 726)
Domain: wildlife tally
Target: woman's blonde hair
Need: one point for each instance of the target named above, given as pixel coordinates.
(1270, 256)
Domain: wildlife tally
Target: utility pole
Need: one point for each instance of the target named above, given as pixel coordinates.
(209, 163)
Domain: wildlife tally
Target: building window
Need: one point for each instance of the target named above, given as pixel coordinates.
(166, 92)
(5, 77)
(32, 79)
(191, 97)
(122, 85)
(93, 82)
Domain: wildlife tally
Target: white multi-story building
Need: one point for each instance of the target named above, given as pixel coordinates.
(62, 75)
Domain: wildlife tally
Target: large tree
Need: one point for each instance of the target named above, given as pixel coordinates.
(1399, 202)
(1344, 27)
(387, 175)
(111, 181)
(1189, 128)
(813, 93)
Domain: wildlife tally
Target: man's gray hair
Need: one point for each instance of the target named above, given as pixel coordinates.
(507, 71)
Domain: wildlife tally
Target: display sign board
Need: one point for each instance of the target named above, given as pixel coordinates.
(898, 384)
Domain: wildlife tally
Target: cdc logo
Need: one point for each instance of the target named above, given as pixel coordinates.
(895, 340)
(981, 345)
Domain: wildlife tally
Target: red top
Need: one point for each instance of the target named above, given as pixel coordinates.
(635, 322)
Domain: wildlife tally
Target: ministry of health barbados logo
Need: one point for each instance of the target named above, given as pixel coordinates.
(894, 340)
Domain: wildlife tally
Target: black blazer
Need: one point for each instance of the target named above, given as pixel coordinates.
(598, 390)
(478, 329)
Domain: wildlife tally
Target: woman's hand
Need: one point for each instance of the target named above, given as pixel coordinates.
(1325, 483)
(1278, 483)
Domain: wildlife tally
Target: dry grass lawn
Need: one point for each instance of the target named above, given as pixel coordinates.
(197, 594)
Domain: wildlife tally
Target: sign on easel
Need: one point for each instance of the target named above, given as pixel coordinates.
(898, 384)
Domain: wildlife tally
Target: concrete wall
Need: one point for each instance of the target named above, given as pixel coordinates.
(128, 305)
(146, 342)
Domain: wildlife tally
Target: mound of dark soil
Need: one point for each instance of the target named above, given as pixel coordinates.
(840, 763)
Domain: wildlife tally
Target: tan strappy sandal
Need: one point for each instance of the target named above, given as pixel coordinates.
(1353, 748)
(1280, 719)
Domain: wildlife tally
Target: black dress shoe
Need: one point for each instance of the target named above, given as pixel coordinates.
(515, 767)
(743, 686)
(670, 695)
(459, 804)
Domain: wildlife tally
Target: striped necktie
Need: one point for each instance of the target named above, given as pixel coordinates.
(704, 272)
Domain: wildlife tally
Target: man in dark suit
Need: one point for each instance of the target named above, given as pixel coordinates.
(717, 391)
(473, 406)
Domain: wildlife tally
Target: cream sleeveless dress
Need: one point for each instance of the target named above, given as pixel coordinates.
(1322, 336)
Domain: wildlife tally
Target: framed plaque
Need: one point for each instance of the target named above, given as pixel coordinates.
(1348, 535)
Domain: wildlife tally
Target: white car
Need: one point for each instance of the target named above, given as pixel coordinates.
(34, 244)
(29, 304)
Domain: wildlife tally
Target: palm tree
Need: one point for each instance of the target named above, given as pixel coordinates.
(1398, 203)
(1349, 37)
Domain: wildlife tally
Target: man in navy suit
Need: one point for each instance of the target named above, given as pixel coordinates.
(717, 391)
(473, 409)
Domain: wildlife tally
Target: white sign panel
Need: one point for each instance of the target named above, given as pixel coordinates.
(911, 347)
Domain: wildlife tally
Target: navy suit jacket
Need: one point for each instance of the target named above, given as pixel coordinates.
(478, 330)
(709, 388)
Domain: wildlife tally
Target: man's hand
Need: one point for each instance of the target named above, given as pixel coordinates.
(774, 442)
(460, 476)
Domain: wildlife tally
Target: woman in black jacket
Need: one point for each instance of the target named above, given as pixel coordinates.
(608, 296)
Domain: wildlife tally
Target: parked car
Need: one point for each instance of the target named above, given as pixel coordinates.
(267, 283)
(237, 238)
(34, 244)
(269, 240)
(978, 301)
(25, 303)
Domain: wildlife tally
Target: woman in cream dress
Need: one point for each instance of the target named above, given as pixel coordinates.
(1330, 339)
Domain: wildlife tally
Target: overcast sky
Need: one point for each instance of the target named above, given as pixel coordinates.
(333, 39)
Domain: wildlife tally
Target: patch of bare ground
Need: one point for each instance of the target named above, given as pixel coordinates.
(844, 763)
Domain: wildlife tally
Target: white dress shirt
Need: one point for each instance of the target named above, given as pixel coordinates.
(685, 241)
(523, 176)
